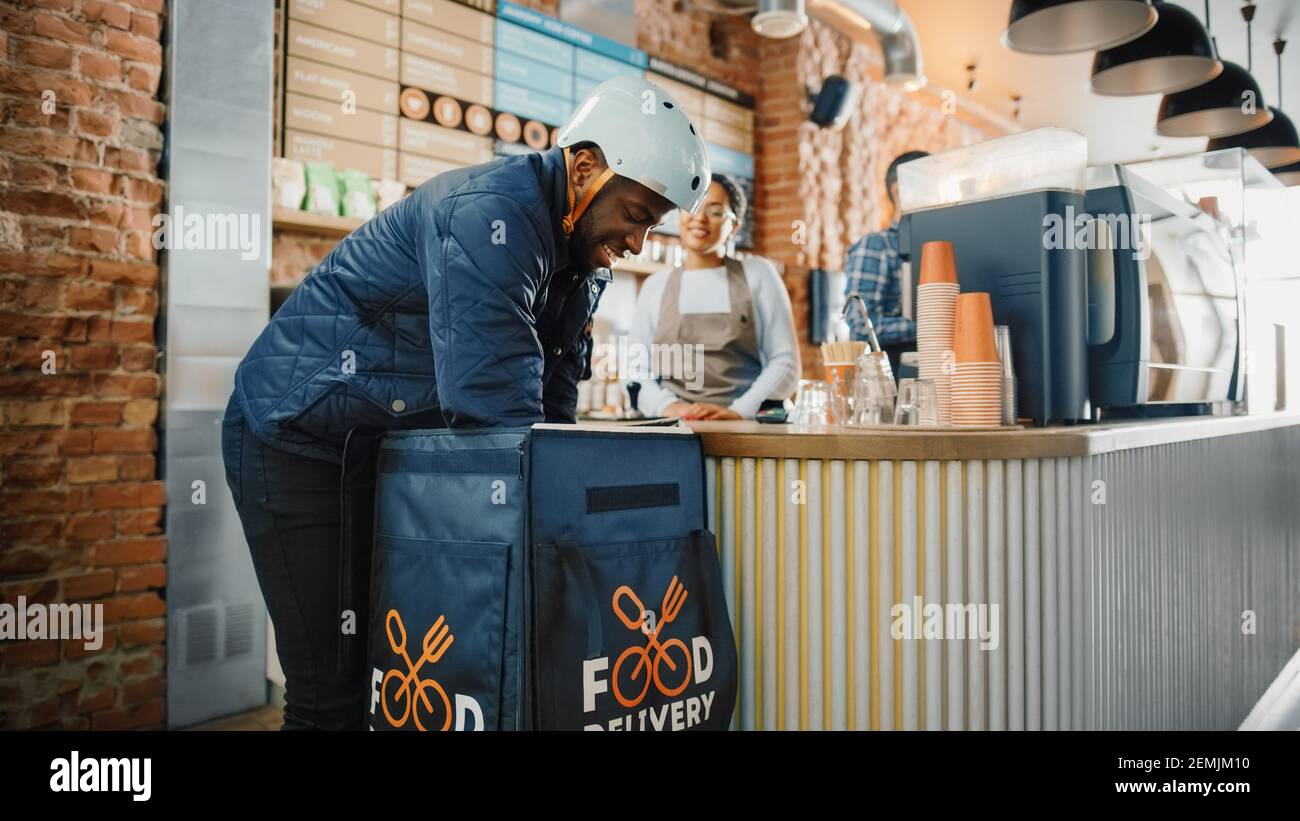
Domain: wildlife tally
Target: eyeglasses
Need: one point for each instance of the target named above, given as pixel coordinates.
(717, 211)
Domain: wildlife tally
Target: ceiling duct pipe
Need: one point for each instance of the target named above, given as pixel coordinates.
(869, 21)
(863, 21)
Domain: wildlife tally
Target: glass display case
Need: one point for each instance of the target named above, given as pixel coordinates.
(1258, 216)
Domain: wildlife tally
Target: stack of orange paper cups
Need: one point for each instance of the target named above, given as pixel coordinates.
(936, 301)
(977, 373)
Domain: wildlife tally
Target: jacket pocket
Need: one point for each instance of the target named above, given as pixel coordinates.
(396, 394)
(437, 632)
(632, 636)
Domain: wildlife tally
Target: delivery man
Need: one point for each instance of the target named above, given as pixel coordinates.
(466, 304)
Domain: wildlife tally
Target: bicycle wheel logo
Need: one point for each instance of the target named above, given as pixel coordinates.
(410, 697)
(630, 687)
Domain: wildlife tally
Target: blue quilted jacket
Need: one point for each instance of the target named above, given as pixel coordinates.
(454, 307)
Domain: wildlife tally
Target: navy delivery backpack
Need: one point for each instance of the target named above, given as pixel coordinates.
(556, 578)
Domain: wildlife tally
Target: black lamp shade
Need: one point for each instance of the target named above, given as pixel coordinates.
(1216, 108)
(1065, 26)
(1274, 144)
(1176, 54)
(1288, 174)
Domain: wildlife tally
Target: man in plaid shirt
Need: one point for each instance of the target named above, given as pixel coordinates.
(872, 271)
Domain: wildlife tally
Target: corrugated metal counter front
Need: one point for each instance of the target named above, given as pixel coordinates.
(1134, 576)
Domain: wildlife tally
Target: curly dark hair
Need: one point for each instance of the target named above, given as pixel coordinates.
(736, 195)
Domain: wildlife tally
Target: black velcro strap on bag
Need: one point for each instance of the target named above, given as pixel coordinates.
(576, 566)
(630, 497)
(495, 462)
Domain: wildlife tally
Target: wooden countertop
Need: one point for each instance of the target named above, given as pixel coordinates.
(782, 441)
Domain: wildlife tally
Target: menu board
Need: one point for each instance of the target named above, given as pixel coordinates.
(406, 89)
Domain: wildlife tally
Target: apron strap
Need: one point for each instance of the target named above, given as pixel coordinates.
(669, 301)
(742, 303)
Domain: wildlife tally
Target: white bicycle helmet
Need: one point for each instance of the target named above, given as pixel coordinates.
(645, 136)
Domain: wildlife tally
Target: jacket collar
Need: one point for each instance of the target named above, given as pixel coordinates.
(555, 178)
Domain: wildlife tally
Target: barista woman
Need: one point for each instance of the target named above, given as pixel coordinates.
(737, 313)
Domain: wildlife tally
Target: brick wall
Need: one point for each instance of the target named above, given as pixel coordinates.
(80, 500)
(722, 47)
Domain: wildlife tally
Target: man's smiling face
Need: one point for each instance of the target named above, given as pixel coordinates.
(617, 220)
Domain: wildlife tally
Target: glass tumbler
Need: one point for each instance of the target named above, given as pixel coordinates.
(812, 404)
(917, 403)
(872, 402)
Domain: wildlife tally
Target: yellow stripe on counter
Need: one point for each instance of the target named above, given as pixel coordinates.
(826, 594)
(898, 591)
(739, 541)
(803, 595)
(965, 577)
(717, 510)
(780, 594)
(920, 585)
(850, 541)
(943, 584)
(739, 537)
(874, 564)
(735, 617)
(758, 594)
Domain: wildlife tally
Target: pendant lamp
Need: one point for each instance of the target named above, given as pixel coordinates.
(1229, 104)
(1288, 174)
(1275, 144)
(1065, 26)
(1176, 54)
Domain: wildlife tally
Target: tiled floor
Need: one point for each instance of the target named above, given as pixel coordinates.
(265, 718)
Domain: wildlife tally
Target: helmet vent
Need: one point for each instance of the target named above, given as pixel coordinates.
(667, 104)
(692, 127)
(695, 184)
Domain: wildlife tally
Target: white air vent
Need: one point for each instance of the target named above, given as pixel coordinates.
(239, 629)
(199, 628)
(210, 633)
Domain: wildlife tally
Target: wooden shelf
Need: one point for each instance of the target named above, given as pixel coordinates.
(290, 219)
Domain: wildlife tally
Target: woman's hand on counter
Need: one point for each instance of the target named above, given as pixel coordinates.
(700, 410)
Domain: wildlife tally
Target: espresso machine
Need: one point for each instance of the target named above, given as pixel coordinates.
(1121, 299)
(997, 203)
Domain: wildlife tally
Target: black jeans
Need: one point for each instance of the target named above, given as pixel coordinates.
(290, 509)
